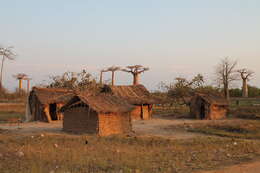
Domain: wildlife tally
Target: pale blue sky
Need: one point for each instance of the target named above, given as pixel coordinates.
(171, 37)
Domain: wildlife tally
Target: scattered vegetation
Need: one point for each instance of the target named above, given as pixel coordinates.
(5, 116)
(246, 112)
(246, 129)
(13, 97)
(71, 80)
(252, 92)
(175, 111)
(64, 153)
(11, 110)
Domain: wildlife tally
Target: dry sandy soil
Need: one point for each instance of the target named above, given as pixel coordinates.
(158, 126)
(242, 168)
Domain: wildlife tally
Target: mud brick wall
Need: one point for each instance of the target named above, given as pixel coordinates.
(217, 112)
(136, 113)
(112, 123)
(80, 120)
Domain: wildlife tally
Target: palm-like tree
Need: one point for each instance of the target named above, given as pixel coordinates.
(6, 53)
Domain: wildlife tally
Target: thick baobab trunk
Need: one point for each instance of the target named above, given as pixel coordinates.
(113, 78)
(1, 75)
(101, 78)
(28, 86)
(245, 88)
(20, 85)
(136, 79)
(227, 94)
(226, 91)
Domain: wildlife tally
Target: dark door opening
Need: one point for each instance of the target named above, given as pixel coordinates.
(53, 111)
(202, 111)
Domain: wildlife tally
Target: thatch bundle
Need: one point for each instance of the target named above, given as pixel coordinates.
(51, 95)
(102, 103)
(134, 94)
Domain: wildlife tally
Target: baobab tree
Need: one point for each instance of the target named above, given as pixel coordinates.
(101, 76)
(20, 77)
(6, 53)
(245, 75)
(225, 74)
(28, 83)
(113, 69)
(135, 70)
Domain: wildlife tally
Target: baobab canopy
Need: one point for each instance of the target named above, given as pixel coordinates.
(135, 70)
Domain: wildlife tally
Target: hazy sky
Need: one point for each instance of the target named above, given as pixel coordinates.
(172, 37)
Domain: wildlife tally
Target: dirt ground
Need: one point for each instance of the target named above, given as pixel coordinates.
(241, 168)
(158, 126)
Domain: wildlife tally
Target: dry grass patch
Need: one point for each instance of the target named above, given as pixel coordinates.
(5, 116)
(11, 110)
(175, 111)
(244, 129)
(12, 107)
(81, 154)
(246, 112)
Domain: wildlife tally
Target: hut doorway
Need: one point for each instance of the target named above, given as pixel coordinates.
(53, 111)
(202, 111)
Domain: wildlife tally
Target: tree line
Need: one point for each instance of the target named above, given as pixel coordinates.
(226, 73)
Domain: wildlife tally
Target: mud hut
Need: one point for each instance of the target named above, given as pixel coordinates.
(207, 106)
(44, 103)
(136, 95)
(102, 114)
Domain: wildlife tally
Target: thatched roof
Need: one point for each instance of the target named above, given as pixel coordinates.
(101, 103)
(213, 99)
(52, 95)
(134, 94)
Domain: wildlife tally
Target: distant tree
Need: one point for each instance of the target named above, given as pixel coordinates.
(225, 75)
(183, 89)
(253, 91)
(85, 80)
(135, 70)
(101, 76)
(28, 83)
(113, 69)
(71, 80)
(208, 89)
(20, 77)
(6, 53)
(198, 81)
(245, 75)
(235, 92)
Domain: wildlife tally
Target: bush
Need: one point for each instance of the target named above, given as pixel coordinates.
(249, 112)
(7, 96)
